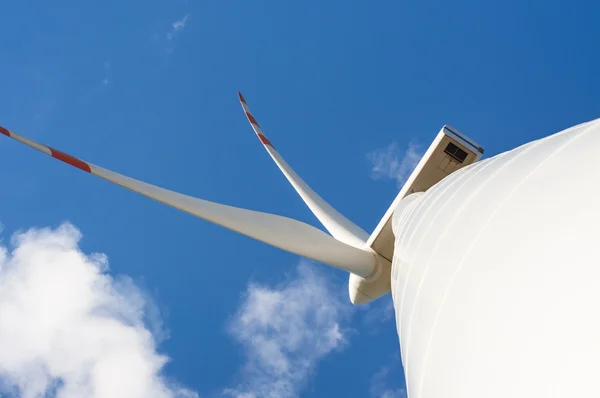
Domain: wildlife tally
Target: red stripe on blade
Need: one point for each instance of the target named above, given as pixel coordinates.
(4, 131)
(242, 98)
(265, 140)
(73, 161)
(252, 119)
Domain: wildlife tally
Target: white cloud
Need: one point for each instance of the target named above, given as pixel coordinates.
(68, 329)
(177, 26)
(285, 331)
(391, 163)
(380, 387)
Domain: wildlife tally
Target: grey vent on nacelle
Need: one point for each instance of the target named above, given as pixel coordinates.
(455, 152)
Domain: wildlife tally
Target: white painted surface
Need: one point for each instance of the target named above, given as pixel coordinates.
(496, 275)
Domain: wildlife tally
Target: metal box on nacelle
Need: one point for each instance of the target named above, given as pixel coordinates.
(450, 151)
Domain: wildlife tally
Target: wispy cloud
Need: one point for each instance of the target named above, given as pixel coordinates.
(393, 164)
(380, 386)
(285, 331)
(105, 80)
(68, 329)
(177, 26)
(379, 311)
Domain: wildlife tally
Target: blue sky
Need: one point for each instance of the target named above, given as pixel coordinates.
(343, 89)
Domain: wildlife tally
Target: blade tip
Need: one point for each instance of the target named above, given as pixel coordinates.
(4, 131)
(263, 139)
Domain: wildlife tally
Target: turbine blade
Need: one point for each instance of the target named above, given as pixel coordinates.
(282, 232)
(338, 226)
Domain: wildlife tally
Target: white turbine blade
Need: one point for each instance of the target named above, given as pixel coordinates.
(338, 226)
(282, 232)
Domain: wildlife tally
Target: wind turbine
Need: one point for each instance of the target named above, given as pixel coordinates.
(493, 265)
(348, 247)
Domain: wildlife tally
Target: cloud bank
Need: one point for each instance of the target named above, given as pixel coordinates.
(68, 329)
(285, 331)
(392, 164)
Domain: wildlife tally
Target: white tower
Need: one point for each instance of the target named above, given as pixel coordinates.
(496, 275)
